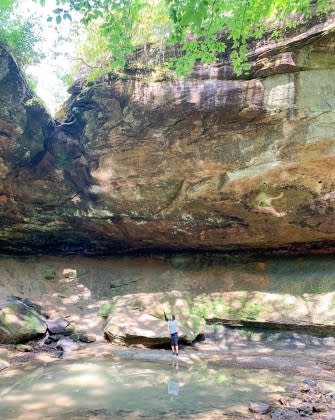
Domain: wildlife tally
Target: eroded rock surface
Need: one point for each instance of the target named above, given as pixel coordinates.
(138, 319)
(31, 186)
(202, 164)
(19, 322)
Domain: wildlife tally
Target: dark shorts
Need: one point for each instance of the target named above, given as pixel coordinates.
(174, 339)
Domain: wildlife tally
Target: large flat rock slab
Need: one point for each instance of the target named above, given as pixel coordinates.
(138, 318)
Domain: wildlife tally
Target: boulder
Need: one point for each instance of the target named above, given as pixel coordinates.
(87, 338)
(259, 407)
(139, 319)
(19, 322)
(285, 414)
(67, 345)
(137, 328)
(59, 326)
(3, 364)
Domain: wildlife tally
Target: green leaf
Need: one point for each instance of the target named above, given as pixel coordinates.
(122, 24)
(67, 15)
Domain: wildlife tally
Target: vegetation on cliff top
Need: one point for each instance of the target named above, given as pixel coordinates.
(197, 25)
(163, 35)
(18, 33)
(202, 29)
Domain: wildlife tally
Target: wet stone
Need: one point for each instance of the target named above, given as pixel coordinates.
(67, 345)
(259, 407)
(319, 408)
(87, 338)
(55, 337)
(56, 354)
(57, 325)
(305, 388)
(331, 394)
(310, 382)
(75, 337)
(285, 414)
(305, 410)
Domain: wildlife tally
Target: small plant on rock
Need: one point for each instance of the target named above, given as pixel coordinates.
(138, 304)
(49, 274)
(106, 309)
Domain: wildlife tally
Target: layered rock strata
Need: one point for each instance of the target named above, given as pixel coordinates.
(201, 164)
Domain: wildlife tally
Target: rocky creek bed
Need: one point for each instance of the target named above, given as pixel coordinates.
(310, 360)
(310, 394)
(72, 298)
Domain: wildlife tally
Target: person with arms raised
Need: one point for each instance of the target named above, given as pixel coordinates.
(172, 327)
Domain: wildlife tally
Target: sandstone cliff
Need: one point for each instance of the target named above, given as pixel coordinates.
(208, 163)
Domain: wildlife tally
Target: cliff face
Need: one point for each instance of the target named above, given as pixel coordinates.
(204, 164)
(30, 181)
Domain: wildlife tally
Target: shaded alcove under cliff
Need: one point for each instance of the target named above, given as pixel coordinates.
(205, 164)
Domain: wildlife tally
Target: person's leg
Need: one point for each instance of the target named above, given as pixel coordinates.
(175, 343)
(172, 345)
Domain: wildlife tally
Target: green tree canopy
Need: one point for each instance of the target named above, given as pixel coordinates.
(196, 25)
(18, 33)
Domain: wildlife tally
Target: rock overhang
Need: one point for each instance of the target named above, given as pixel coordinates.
(201, 164)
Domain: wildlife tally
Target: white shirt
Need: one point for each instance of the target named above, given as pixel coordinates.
(172, 326)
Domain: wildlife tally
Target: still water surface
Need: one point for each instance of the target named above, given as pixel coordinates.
(66, 389)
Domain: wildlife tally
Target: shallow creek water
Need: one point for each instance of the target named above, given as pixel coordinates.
(110, 388)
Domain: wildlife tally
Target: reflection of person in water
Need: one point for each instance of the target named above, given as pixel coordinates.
(173, 388)
(173, 384)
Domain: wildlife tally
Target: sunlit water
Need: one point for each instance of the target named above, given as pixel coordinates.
(65, 389)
